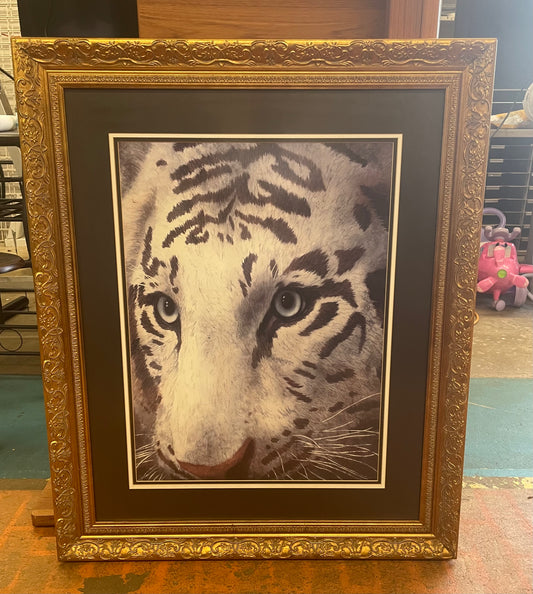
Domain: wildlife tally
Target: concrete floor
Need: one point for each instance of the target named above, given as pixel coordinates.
(503, 341)
(495, 548)
(495, 558)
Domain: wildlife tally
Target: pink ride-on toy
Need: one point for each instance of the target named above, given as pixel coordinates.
(499, 271)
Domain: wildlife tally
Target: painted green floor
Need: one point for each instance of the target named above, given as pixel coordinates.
(499, 442)
(23, 448)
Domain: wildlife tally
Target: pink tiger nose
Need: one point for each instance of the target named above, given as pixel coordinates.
(235, 467)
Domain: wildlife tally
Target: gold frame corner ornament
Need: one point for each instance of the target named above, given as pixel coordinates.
(462, 68)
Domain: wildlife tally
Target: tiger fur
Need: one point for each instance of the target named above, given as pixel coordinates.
(255, 275)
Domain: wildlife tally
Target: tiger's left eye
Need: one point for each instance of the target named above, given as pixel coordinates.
(166, 310)
(288, 303)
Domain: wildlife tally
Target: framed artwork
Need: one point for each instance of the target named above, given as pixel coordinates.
(255, 268)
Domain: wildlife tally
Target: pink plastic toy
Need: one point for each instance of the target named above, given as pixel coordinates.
(499, 271)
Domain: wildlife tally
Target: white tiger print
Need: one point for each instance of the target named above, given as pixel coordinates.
(233, 377)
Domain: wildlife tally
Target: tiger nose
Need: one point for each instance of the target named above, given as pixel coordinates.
(235, 467)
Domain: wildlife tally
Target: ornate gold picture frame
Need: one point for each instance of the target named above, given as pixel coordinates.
(307, 215)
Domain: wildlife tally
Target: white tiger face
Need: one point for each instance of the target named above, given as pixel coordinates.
(256, 276)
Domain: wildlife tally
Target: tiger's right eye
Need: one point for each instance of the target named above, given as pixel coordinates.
(288, 303)
(166, 311)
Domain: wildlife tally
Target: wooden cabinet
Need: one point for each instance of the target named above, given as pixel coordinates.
(288, 19)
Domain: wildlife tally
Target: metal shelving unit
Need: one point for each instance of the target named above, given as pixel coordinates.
(509, 185)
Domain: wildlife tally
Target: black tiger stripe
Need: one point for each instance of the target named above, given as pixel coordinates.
(376, 282)
(151, 397)
(197, 236)
(202, 175)
(379, 196)
(244, 156)
(266, 332)
(336, 407)
(278, 227)
(314, 181)
(362, 215)
(304, 373)
(326, 313)
(247, 266)
(168, 462)
(148, 326)
(161, 163)
(315, 262)
(347, 150)
(274, 268)
(280, 198)
(348, 258)
(309, 364)
(292, 383)
(133, 291)
(356, 320)
(245, 232)
(149, 265)
(340, 376)
(330, 288)
(300, 423)
(197, 225)
(274, 454)
(179, 147)
(174, 268)
(185, 206)
(300, 396)
(155, 366)
(199, 172)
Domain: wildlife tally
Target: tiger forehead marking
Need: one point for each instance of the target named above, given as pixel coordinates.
(256, 276)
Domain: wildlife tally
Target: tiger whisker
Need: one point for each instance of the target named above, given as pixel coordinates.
(361, 463)
(339, 472)
(301, 465)
(354, 455)
(145, 450)
(320, 478)
(350, 454)
(350, 406)
(330, 429)
(141, 463)
(332, 464)
(146, 446)
(150, 474)
(348, 449)
(331, 439)
(304, 471)
(281, 462)
(144, 459)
